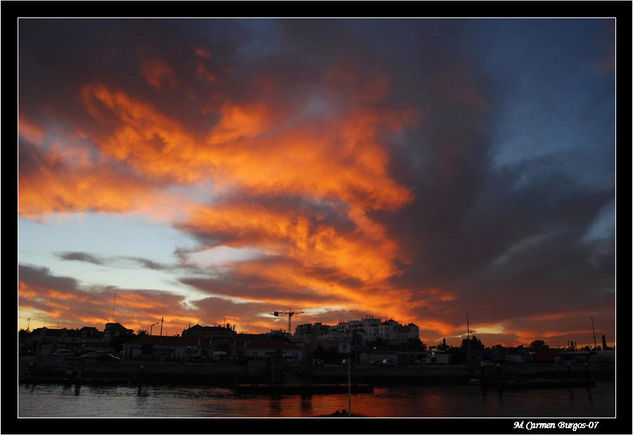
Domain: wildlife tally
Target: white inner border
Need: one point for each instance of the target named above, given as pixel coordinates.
(342, 18)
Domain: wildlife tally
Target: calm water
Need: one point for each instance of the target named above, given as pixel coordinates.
(157, 401)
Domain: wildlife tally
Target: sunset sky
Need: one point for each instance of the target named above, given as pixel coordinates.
(220, 170)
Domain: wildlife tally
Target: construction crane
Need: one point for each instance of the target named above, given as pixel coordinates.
(290, 313)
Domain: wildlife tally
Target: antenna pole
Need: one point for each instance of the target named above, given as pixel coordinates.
(468, 334)
(161, 326)
(349, 384)
(113, 305)
(595, 345)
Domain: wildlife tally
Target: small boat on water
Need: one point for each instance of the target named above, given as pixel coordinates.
(342, 413)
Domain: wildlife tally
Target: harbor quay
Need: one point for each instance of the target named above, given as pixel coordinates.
(72, 370)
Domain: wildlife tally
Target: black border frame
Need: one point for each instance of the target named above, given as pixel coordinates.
(11, 10)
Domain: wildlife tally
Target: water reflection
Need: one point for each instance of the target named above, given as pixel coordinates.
(275, 405)
(306, 403)
(589, 394)
(500, 395)
(59, 400)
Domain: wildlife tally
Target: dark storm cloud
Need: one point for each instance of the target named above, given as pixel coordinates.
(469, 212)
(242, 59)
(505, 241)
(83, 51)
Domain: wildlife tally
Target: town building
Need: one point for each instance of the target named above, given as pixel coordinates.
(45, 341)
(116, 330)
(407, 353)
(152, 347)
(311, 331)
(221, 340)
(251, 346)
(367, 330)
(90, 332)
(209, 331)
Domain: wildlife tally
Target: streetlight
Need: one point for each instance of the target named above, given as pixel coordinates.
(151, 326)
(349, 384)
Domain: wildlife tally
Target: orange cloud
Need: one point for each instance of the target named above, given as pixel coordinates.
(438, 325)
(339, 158)
(101, 191)
(322, 258)
(54, 187)
(364, 256)
(239, 122)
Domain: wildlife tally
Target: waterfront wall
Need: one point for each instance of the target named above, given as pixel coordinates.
(166, 372)
(52, 369)
(459, 374)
